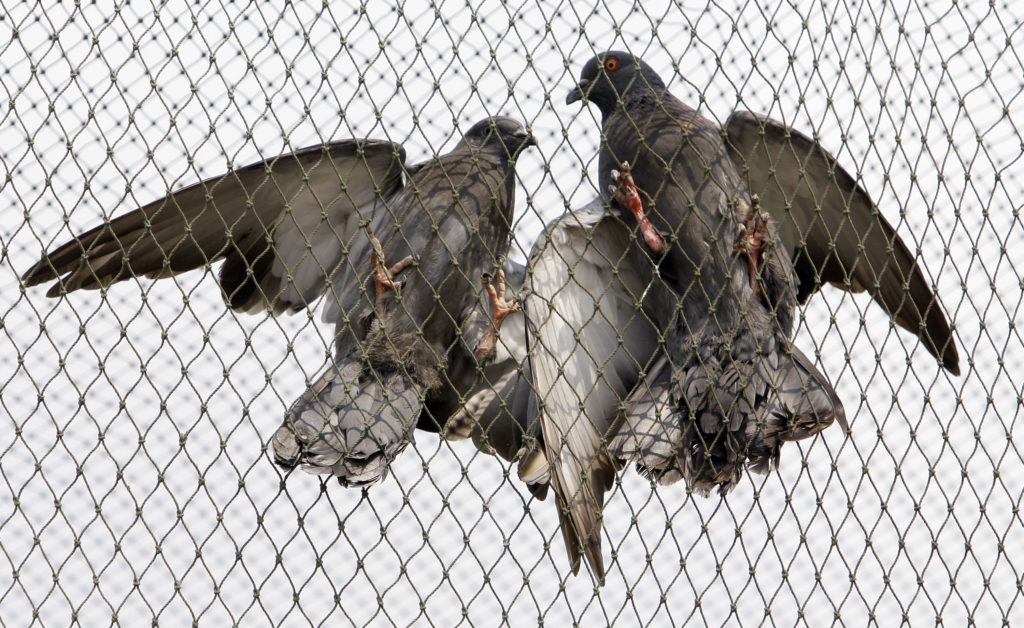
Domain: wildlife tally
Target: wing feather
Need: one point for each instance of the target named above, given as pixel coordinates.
(301, 208)
(591, 343)
(834, 231)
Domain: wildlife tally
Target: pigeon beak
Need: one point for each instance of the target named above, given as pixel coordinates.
(525, 140)
(579, 92)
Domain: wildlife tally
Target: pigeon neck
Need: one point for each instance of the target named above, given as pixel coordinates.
(631, 101)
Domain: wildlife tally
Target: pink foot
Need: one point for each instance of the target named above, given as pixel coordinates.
(500, 308)
(384, 276)
(752, 234)
(627, 194)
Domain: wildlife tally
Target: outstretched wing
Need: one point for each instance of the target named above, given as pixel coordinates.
(281, 225)
(834, 231)
(590, 343)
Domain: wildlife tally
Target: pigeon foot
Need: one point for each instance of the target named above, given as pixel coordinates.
(384, 275)
(500, 308)
(627, 194)
(751, 238)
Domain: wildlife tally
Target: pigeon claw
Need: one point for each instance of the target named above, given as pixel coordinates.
(384, 275)
(628, 195)
(500, 308)
(750, 241)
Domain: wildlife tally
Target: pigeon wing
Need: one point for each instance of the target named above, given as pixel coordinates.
(834, 231)
(282, 226)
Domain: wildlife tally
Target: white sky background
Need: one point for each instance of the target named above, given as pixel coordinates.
(134, 479)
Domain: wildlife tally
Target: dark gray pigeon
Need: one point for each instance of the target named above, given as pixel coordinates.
(383, 240)
(701, 380)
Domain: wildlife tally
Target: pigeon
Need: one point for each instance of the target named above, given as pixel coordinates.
(663, 312)
(409, 256)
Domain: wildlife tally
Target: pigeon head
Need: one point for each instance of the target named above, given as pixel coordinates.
(503, 131)
(611, 75)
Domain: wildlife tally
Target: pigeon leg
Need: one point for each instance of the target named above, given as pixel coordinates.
(500, 308)
(383, 275)
(627, 194)
(752, 234)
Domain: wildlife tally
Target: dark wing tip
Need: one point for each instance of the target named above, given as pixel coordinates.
(838, 411)
(61, 265)
(56, 290)
(953, 367)
(61, 260)
(40, 272)
(949, 356)
(883, 271)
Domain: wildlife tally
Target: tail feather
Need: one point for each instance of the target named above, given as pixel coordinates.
(653, 429)
(571, 540)
(579, 517)
(736, 411)
(351, 423)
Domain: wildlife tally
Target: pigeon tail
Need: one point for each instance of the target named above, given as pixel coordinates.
(351, 423)
(725, 411)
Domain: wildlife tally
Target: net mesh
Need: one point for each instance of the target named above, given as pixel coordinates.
(138, 480)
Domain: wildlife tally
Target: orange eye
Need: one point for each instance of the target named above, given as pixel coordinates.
(611, 64)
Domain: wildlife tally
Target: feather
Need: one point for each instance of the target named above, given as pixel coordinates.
(832, 229)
